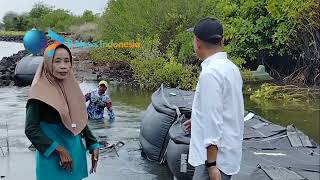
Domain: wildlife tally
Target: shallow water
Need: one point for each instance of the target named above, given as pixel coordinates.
(9, 48)
(129, 106)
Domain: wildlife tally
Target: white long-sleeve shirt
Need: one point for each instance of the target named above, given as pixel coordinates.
(217, 114)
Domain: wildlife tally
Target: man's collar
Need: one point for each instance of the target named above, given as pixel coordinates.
(218, 55)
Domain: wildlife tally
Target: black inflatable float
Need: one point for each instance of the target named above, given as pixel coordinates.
(26, 69)
(178, 150)
(159, 117)
(270, 151)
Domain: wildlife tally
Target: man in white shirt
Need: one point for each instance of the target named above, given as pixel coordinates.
(217, 110)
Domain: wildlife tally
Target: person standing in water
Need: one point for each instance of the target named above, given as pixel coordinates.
(98, 100)
(56, 120)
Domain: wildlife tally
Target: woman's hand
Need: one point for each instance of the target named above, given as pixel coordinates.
(94, 160)
(65, 159)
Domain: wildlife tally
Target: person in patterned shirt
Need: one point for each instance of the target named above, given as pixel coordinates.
(98, 100)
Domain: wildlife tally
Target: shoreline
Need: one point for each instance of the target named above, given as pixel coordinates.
(18, 39)
(84, 68)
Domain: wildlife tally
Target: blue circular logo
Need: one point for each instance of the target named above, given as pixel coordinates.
(35, 41)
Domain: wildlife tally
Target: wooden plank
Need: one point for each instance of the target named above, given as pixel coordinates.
(260, 125)
(293, 136)
(305, 140)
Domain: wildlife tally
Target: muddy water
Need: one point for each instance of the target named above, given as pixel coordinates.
(119, 164)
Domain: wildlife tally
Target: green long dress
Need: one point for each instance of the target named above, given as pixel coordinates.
(45, 130)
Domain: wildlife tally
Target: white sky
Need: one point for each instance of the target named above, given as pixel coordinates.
(75, 6)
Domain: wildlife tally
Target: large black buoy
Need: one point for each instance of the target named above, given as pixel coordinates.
(26, 69)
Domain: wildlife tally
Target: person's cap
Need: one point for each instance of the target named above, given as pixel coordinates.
(208, 29)
(103, 83)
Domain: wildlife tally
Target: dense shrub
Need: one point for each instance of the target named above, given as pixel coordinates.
(150, 67)
(150, 74)
(108, 55)
(255, 30)
(43, 16)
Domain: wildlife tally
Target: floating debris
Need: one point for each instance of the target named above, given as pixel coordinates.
(112, 148)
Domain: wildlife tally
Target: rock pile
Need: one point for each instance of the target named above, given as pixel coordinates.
(7, 67)
(11, 38)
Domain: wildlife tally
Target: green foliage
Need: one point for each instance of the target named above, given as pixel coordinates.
(254, 29)
(43, 16)
(12, 33)
(148, 50)
(174, 74)
(185, 40)
(105, 54)
(247, 89)
(58, 20)
(20, 23)
(247, 75)
(150, 68)
(88, 16)
(150, 74)
(286, 14)
(14, 22)
(39, 10)
(36, 14)
(248, 28)
(123, 20)
(2, 27)
(146, 72)
(288, 95)
(258, 29)
(9, 16)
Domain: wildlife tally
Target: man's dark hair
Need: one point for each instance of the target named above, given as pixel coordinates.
(209, 45)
